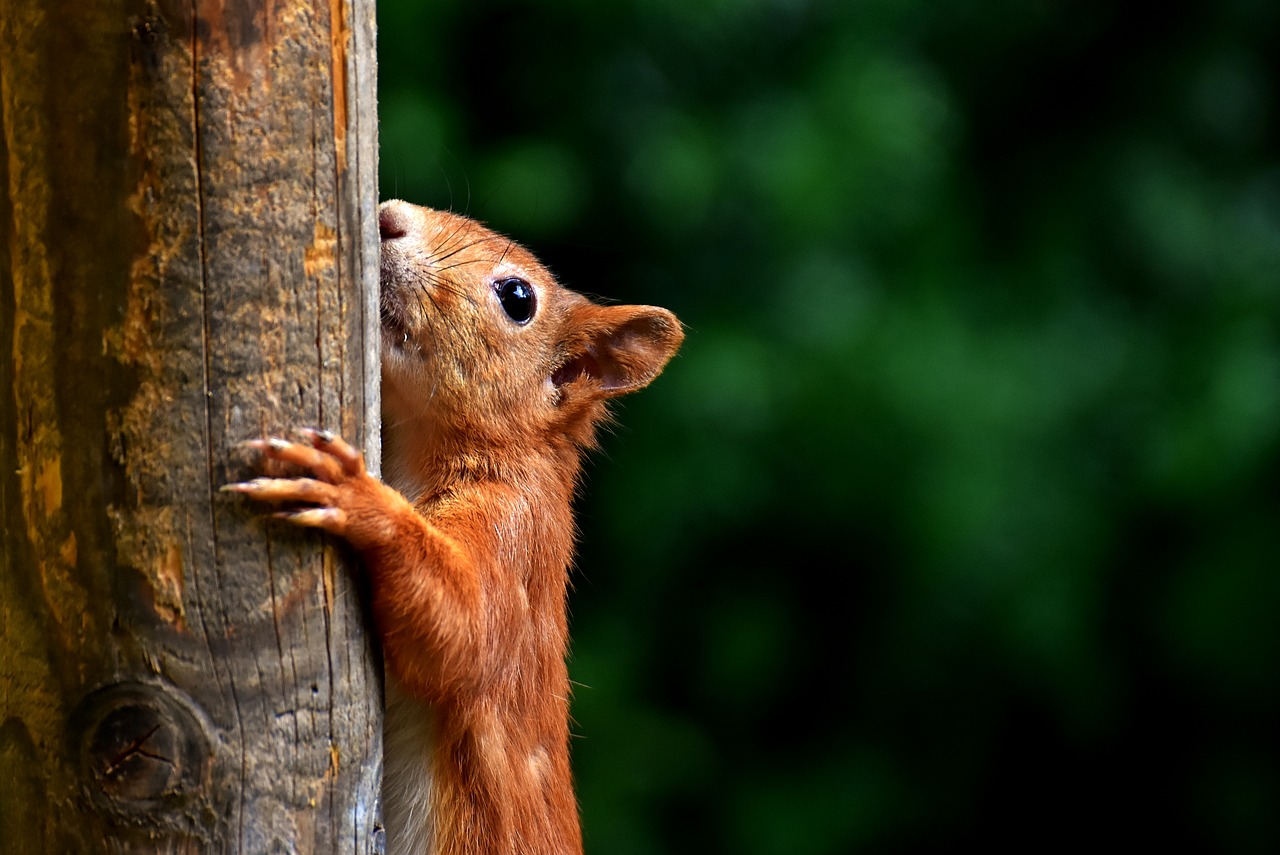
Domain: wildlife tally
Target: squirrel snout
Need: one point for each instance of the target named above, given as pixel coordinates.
(393, 220)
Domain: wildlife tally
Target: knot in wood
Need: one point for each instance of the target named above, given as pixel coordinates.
(142, 746)
(133, 753)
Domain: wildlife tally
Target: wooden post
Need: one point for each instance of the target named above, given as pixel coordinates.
(188, 259)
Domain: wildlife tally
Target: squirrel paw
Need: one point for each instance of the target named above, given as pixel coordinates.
(335, 492)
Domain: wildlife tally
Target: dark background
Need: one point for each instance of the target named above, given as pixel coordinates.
(956, 521)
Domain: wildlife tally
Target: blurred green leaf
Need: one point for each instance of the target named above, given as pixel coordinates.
(955, 520)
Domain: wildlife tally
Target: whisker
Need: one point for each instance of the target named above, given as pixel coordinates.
(430, 279)
(436, 259)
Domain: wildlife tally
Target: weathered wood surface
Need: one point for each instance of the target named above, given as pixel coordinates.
(188, 259)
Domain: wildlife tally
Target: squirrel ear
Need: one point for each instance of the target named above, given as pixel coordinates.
(619, 349)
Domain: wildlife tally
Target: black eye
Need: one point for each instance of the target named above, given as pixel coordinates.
(516, 297)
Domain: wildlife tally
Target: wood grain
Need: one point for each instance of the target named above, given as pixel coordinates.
(188, 259)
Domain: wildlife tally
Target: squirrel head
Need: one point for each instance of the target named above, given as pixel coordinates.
(480, 341)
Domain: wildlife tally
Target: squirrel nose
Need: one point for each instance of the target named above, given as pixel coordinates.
(393, 220)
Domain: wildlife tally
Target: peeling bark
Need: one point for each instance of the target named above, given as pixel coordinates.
(188, 259)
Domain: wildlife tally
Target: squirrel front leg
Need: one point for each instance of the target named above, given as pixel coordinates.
(427, 598)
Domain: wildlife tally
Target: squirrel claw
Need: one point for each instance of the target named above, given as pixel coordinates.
(319, 435)
(330, 519)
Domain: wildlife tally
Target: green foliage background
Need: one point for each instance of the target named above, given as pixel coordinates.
(956, 521)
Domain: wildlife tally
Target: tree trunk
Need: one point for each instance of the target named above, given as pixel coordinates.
(188, 259)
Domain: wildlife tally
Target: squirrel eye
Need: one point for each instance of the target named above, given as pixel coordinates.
(516, 297)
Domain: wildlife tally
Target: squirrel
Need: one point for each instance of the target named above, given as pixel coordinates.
(494, 379)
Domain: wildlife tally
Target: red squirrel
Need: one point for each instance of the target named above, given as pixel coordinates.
(494, 378)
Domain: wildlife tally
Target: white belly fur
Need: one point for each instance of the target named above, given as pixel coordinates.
(408, 741)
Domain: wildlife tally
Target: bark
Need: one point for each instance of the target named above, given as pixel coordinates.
(188, 259)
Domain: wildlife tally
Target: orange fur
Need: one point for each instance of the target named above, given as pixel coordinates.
(467, 550)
